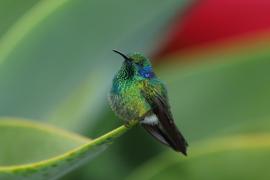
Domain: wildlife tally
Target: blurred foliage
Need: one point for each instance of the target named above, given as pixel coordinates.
(57, 56)
(235, 157)
(56, 66)
(221, 92)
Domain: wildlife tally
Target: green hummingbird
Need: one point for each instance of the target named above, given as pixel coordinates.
(137, 94)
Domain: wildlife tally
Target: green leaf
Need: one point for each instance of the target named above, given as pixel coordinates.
(12, 10)
(25, 24)
(37, 151)
(236, 157)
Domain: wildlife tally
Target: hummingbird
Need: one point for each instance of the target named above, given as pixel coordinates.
(137, 94)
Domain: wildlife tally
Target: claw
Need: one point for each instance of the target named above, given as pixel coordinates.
(130, 123)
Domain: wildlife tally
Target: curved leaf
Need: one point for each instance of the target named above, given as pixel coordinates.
(237, 157)
(39, 11)
(11, 11)
(37, 151)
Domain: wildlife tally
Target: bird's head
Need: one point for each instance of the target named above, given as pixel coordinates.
(137, 65)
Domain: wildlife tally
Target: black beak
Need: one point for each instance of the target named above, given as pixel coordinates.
(121, 54)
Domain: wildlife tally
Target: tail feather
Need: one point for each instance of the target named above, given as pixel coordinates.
(156, 133)
(173, 139)
(164, 129)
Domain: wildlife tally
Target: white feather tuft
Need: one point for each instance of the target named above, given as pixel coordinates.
(151, 120)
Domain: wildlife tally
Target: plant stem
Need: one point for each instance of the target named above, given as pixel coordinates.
(116, 132)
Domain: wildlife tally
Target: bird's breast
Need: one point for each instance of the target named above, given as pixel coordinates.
(127, 101)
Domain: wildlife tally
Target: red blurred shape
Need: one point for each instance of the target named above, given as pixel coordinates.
(211, 21)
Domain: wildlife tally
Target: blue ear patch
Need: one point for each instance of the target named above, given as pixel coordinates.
(146, 72)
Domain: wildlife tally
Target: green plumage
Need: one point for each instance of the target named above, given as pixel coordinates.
(137, 94)
(126, 95)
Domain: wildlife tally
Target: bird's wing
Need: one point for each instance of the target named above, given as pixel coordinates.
(165, 130)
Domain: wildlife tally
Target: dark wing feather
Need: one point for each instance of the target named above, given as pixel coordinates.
(155, 131)
(165, 131)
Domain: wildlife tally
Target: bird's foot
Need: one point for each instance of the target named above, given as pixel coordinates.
(131, 123)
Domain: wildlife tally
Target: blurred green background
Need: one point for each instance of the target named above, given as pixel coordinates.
(56, 66)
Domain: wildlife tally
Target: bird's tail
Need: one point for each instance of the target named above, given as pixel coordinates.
(169, 135)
